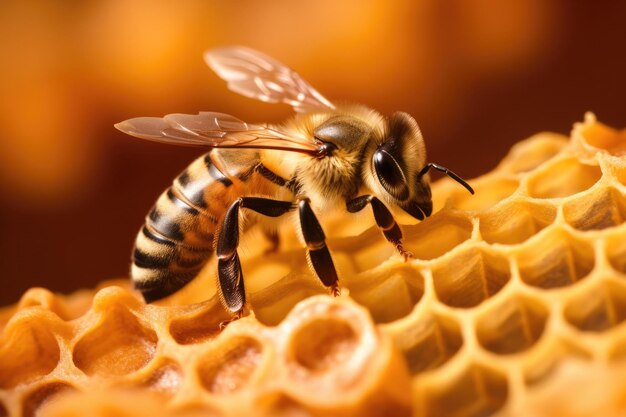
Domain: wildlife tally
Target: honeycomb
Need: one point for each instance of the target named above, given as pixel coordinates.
(513, 306)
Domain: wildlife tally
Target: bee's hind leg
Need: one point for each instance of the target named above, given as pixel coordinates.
(384, 220)
(317, 250)
(230, 276)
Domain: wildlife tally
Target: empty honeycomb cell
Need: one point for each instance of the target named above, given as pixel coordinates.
(563, 178)
(606, 207)
(28, 351)
(166, 379)
(36, 400)
(478, 391)
(488, 192)
(437, 235)
(470, 277)
(389, 294)
(513, 325)
(515, 222)
(118, 345)
(227, 369)
(557, 260)
(603, 138)
(323, 344)
(598, 309)
(532, 152)
(543, 364)
(430, 342)
(194, 327)
(616, 252)
(273, 303)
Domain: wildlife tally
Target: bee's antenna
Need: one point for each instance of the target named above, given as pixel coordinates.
(448, 173)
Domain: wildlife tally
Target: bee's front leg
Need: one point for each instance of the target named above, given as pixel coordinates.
(384, 220)
(229, 273)
(317, 251)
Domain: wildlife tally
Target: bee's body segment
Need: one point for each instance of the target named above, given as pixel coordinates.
(326, 157)
(178, 236)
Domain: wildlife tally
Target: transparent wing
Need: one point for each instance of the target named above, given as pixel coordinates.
(214, 130)
(256, 75)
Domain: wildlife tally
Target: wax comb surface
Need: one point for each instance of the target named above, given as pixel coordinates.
(515, 300)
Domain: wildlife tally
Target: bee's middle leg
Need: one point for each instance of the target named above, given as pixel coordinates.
(230, 276)
(317, 251)
(384, 220)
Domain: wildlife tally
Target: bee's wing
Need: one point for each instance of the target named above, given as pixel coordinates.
(256, 75)
(214, 130)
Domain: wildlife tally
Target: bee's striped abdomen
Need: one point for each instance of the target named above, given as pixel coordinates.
(177, 237)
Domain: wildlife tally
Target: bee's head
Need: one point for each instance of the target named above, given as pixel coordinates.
(397, 164)
(400, 169)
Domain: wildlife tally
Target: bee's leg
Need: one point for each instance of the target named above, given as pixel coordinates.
(317, 250)
(229, 273)
(384, 220)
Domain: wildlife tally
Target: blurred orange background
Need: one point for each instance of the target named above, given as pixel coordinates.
(478, 75)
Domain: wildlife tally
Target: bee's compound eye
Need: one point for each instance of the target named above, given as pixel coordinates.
(390, 174)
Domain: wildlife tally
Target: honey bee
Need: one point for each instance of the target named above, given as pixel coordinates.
(326, 157)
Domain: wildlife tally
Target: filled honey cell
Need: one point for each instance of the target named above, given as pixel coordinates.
(511, 326)
(557, 260)
(563, 178)
(470, 277)
(516, 221)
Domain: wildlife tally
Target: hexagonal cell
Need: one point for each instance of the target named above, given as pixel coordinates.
(117, 346)
(606, 207)
(515, 222)
(227, 369)
(28, 351)
(616, 252)
(598, 309)
(41, 396)
(430, 342)
(488, 192)
(545, 363)
(557, 260)
(470, 277)
(273, 303)
(563, 178)
(198, 326)
(478, 391)
(323, 344)
(389, 294)
(166, 379)
(604, 138)
(437, 235)
(513, 325)
(534, 151)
